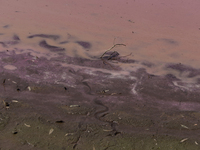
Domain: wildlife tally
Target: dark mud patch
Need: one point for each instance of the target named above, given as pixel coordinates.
(6, 26)
(3, 44)
(169, 41)
(86, 62)
(84, 44)
(16, 37)
(148, 64)
(192, 72)
(44, 44)
(48, 36)
(64, 42)
(9, 43)
(171, 77)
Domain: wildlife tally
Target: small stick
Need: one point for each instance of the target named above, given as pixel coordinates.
(110, 49)
(127, 55)
(105, 62)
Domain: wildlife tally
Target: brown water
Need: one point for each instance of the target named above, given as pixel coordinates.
(155, 31)
(74, 103)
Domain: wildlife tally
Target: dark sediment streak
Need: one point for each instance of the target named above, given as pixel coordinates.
(84, 44)
(64, 42)
(169, 41)
(54, 37)
(15, 37)
(3, 44)
(50, 47)
(183, 68)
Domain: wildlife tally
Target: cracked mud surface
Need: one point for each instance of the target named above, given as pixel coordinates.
(73, 103)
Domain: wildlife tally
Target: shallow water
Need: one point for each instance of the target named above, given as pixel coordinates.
(54, 83)
(155, 32)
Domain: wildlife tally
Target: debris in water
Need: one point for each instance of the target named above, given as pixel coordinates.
(131, 21)
(196, 143)
(110, 49)
(110, 56)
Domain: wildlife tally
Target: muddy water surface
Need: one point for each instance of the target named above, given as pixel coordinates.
(154, 31)
(55, 83)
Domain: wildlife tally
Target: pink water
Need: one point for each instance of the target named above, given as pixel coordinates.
(155, 31)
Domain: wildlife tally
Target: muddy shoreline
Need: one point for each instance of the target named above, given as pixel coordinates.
(74, 103)
(60, 92)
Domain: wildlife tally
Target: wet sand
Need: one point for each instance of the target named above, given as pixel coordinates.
(60, 91)
(77, 103)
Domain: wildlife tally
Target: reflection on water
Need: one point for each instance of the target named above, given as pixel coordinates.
(157, 33)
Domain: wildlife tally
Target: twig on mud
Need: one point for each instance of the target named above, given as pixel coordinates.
(110, 49)
(127, 55)
(104, 61)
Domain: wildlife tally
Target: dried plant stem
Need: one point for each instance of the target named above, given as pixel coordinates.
(127, 55)
(104, 61)
(111, 48)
